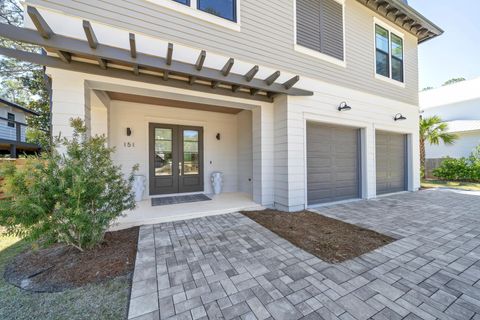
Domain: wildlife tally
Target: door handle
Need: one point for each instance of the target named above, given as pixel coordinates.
(179, 168)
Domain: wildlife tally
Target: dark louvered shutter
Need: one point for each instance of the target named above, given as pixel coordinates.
(320, 26)
(308, 23)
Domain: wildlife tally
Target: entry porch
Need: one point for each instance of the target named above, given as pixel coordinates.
(178, 139)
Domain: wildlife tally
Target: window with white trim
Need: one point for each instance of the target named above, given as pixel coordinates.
(226, 9)
(388, 54)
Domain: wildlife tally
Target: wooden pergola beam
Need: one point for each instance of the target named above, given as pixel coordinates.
(169, 59)
(133, 45)
(251, 74)
(91, 38)
(228, 67)
(290, 83)
(102, 63)
(71, 47)
(169, 54)
(200, 60)
(272, 78)
(78, 66)
(64, 56)
(40, 24)
(46, 32)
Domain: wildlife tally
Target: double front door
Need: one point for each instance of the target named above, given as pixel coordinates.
(176, 159)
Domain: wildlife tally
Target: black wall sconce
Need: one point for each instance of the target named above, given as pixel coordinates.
(218, 136)
(343, 106)
(129, 132)
(399, 117)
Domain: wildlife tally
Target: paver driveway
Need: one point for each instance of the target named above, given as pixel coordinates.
(228, 266)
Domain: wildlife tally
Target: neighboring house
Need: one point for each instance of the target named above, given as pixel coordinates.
(136, 71)
(13, 126)
(458, 105)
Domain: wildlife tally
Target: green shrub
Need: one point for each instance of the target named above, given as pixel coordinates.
(70, 197)
(463, 169)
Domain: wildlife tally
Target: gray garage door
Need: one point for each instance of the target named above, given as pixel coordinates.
(332, 163)
(391, 162)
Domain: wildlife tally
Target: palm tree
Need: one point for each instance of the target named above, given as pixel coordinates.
(433, 130)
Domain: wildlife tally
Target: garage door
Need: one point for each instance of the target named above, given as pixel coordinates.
(332, 163)
(391, 162)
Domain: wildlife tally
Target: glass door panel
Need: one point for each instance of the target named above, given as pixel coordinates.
(163, 163)
(190, 152)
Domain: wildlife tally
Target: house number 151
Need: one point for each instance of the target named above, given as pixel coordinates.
(129, 144)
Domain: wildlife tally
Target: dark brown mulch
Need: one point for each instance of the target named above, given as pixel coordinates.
(329, 239)
(58, 268)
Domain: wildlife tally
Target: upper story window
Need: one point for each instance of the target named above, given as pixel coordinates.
(388, 54)
(320, 29)
(221, 8)
(226, 9)
(11, 117)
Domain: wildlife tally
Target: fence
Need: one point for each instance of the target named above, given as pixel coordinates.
(18, 163)
(430, 165)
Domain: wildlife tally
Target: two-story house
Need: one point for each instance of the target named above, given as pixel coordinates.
(13, 129)
(297, 102)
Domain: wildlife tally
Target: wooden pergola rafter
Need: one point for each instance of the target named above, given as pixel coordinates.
(91, 56)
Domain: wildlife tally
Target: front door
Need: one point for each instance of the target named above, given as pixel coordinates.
(176, 159)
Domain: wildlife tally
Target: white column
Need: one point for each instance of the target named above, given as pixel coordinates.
(99, 105)
(68, 99)
(413, 143)
(262, 134)
(369, 167)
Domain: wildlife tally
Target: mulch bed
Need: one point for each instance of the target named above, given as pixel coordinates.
(59, 268)
(329, 239)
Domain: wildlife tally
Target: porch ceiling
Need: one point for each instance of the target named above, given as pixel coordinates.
(90, 56)
(127, 97)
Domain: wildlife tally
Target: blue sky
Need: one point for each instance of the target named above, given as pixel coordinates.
(456, 53)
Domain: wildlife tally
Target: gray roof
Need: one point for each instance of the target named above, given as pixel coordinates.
(17, 106)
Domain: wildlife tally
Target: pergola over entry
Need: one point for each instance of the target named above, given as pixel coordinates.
(90, 56)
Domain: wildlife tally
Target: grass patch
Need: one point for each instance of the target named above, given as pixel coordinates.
(106, 300)
(470, 186)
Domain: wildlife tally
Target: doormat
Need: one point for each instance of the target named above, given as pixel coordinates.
(179, 199)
